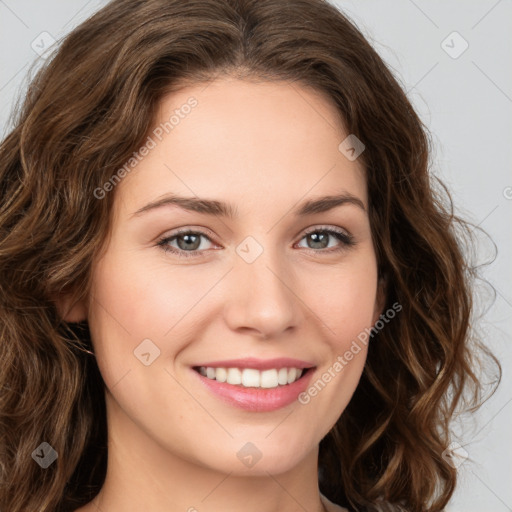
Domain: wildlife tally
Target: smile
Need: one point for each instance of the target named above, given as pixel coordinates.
(251, 377)
(274, 384)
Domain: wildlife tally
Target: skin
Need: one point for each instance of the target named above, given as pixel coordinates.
(264, 147)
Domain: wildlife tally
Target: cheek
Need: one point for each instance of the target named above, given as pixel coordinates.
(343, 300)
(140, 298)
(136, 300)
(147, 298)
(344, 303)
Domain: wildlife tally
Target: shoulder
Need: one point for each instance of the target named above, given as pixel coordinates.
(330, 506)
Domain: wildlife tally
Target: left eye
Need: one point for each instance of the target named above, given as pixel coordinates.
(189, 242)
(320, 238)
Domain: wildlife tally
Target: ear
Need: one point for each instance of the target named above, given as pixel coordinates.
(380, 299)
(71, 310)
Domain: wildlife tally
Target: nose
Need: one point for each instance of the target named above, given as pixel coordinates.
(262, 300)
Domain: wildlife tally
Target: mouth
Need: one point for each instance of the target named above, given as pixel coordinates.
(252, 377)
(253, 389)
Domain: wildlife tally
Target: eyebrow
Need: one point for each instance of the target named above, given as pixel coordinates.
(227, 210)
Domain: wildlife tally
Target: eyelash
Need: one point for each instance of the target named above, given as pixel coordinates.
(345, 239)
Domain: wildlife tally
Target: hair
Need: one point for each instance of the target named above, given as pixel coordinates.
(86, 111)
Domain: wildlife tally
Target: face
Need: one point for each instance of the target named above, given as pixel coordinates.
(252, 273)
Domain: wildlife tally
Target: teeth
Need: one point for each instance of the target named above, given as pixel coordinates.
(269, 379)
(252, 378)
(221, 375)
(282, 376)
(234, 375)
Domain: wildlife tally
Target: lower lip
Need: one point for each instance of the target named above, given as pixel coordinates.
(257, 399)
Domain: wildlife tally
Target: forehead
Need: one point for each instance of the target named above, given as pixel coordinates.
(256, 142)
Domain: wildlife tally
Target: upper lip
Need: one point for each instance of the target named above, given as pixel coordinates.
(258, 364)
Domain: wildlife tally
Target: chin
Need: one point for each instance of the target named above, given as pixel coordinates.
(260, 458)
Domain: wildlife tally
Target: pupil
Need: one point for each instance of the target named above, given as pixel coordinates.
(314, 237)
(188, 239)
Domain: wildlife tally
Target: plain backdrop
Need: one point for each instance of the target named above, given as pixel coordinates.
(453, 59)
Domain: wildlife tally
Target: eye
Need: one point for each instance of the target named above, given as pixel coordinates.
(319, 238)
(188, 243)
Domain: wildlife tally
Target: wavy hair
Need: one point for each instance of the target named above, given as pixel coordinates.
(86, 111)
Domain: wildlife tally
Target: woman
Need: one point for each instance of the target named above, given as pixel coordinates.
(227, 281)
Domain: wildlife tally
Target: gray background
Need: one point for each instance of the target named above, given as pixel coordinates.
(467, 104)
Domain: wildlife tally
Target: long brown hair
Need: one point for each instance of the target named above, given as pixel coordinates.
(88, 109)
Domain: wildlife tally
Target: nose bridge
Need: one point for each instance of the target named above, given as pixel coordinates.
(262, 297)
